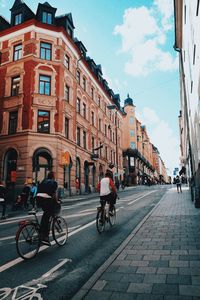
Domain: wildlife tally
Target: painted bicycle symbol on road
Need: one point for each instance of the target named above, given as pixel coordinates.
(22, 292)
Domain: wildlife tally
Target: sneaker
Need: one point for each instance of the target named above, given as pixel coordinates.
(45, 241)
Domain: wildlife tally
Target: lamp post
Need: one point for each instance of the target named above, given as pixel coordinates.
(114, 107)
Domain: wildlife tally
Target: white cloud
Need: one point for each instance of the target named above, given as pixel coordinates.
(143, 37)
(162, 136)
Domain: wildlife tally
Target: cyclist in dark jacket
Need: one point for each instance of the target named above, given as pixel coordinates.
(46, 199)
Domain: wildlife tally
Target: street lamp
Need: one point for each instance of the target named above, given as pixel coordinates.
(114, 107)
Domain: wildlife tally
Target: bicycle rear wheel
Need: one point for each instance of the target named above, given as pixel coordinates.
(28, 241)
(100, 220)
(112, 218)
(59, 230)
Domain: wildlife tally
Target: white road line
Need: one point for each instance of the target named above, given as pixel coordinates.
(141, 197)
(58, 266)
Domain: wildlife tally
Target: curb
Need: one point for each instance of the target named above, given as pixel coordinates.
(84, 290)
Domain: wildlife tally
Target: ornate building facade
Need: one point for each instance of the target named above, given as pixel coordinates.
(54, 104)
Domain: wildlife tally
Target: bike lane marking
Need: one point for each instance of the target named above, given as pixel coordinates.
(141, 197)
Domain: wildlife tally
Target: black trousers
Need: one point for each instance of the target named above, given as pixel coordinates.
(3, 204)
(48, 207)
(108, 199)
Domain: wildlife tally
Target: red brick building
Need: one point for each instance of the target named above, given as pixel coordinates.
(53, 103)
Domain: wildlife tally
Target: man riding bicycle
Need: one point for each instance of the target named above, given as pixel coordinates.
(107, 190)
(47, 200)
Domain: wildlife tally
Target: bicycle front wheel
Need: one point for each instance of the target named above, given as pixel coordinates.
(100, 221)
(28, 241)
(59, 230)
(112, 217)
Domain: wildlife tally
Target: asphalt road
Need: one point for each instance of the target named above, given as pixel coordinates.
(59, 272)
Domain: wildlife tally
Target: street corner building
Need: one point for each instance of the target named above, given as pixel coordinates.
(57, 111)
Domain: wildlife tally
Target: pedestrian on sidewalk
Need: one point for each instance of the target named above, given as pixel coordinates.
(3, 194)
(25, 194)
(178, 184)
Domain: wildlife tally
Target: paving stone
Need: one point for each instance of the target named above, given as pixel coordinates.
(167, 270)
(147, 270)
(171, 297)
(154, 278)
(189, 271)
(116, 287)
(127, 269)
(196, 280)
(179, 264)
(169, 257)
(111, 276)
(159, 263)
(99, 285)
(140, 263)
(134, 257)
(149, 297)
(139, 288)
(98, 295)
(119, 262)
(194, 263)
(124, 296)
(189, 257)
(179, 279)
(151, 257)
(165, 289)
(161, 252)
(189, 290)
(137, 278)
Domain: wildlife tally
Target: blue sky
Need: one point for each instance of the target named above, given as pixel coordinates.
(133, 41)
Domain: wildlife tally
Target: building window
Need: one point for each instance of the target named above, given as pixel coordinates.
(17, 52)
(15, 86)
(43, 121)
(46, 17)
(78, 136)
(131, 120)
(92, 144)
(67, 61)
(191, 88)
(99, 101)
(84, 110)
(99, 124)
(194, 54)
(132, 145)
(197, 11)
(69, 31)
(106, 152)
(92, 93)
(18, 19)
(45, 51)
(66, 92)
(67, 128)
(45, 85)
(92, 117)
(78, 105)
(113, 137)
(105, 130)
(78, 76)
(132, 133)
(185, 14)
(84, 83)
(13, 117)
(84, 139)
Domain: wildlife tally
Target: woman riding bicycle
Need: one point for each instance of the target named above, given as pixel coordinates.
(47, 200)
(107, 190)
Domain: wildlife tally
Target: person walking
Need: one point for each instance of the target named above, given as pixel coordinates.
(178, 184)
(3, 194)
(25, 194)
(33, 194)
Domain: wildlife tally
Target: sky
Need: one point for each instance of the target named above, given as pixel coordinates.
(133, 41)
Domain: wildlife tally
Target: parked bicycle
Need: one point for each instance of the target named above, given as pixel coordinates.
(105, 215)
(28, 239)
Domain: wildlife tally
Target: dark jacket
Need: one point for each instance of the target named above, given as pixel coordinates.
(3, 192)
(48, 186)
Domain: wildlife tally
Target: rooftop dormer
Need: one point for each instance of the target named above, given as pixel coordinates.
(20, 13)
(67, 22)
(46, 13)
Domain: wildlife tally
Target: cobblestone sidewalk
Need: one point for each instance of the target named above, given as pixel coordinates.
(159, 260)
